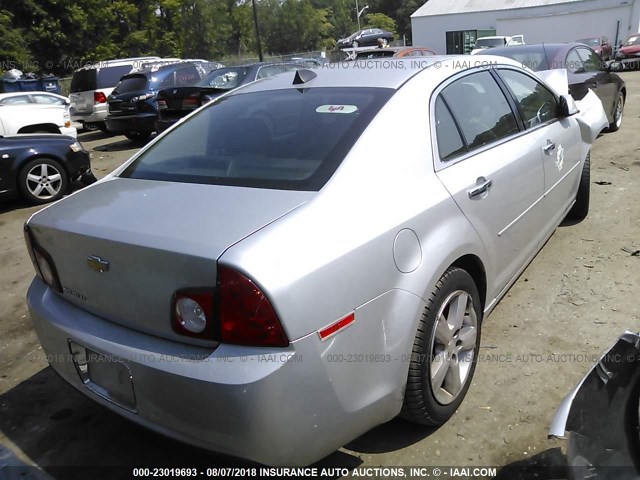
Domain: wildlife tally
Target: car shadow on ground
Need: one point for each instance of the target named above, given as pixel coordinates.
(550, 464)
(120, 145)
(13, 205)
(56, 426)
(90, 136)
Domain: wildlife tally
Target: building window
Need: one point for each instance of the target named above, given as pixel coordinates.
(462, 41)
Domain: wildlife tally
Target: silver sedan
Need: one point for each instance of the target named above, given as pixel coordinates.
(312, 254)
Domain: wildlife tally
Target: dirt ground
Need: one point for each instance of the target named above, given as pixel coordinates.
(570, 304)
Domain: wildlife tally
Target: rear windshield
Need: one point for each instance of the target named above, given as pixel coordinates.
(536, 60)
(83, 81)
(289, 139)
(133, 83)
(225, 78)
(96, 78)
(592, 42)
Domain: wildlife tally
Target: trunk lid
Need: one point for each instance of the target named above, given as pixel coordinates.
(179, 102)
(158, 237)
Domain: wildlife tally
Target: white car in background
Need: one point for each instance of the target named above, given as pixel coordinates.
(36, 118)
(483, 43)
(41, 98)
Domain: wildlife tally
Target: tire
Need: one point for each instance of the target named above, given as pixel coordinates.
(355, 44)
(43, 180)
(580, 209)
(426, 399)
(384, 42)
(138, 136)
(618, 113)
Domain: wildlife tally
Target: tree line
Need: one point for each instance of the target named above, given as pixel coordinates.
(58, 36)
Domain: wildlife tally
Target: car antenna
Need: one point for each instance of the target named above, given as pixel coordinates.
(303, 76)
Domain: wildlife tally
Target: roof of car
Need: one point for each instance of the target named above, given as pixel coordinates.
(376, 73)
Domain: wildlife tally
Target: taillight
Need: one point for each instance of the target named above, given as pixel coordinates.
(193, 313)
(190, 103)
(162, 104)
(99, 97)
(42, 262)
(245, 314)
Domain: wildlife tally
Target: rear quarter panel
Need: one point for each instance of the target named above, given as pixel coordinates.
(335, 254)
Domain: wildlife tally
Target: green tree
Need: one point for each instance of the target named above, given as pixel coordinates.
(380, 20)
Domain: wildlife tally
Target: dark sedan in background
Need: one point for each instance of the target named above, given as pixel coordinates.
(365, 38)
(175, 103)
(585, 68)
(41, 167)
(600, 45)
(132, 104)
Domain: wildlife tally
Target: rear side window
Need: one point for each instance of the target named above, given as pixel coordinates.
(225, 78)
(108, 77)
(133, 83)
(480, 108)
(536, 102)
(284, 139)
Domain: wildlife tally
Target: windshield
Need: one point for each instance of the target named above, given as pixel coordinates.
(592, 42)
(225, 78)
(490, 42)
(633, 40)
(291, 139)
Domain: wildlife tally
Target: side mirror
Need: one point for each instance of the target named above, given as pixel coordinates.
(567, 106)
(614, 66)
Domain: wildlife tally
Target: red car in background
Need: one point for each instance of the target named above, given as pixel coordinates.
(600, 45)
(630, 49)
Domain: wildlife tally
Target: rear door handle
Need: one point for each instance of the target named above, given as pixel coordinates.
(551, 146)
(482, 186)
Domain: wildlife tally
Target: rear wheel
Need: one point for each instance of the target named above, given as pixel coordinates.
(580, 209)
(43, 180)
(355, 44)
(384, 42)
(445, 350)
(138, 136)
(618, 111)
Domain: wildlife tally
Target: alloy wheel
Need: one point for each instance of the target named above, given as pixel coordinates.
(453, 346)
(44, 181)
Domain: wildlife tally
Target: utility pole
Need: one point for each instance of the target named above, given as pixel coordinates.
(255, 20)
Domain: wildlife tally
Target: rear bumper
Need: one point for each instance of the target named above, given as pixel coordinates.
(273, 406)
(162, 124)
(131, 123)
(97, 115)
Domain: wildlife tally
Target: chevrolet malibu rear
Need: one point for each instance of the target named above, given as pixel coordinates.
(269, 280)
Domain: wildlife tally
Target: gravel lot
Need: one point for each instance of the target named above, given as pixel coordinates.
(569, 305)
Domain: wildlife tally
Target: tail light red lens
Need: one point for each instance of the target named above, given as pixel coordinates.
(42, 262)
(193, 313)
(245, 313)
(99, 97)
(190, 103)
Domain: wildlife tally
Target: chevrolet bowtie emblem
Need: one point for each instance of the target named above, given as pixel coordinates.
(98, 264)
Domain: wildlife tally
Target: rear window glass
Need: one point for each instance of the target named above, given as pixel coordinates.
(134, 83)
(285, 139)
(179, 77)
(83, 80)
(225, 78)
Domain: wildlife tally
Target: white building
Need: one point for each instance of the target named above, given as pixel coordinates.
(452, 26)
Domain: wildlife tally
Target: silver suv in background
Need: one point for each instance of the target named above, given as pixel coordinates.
(92, 84)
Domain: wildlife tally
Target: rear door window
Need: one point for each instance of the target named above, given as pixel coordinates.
(108, 77)
(283, 139)
(480, 108)
(450, 143)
